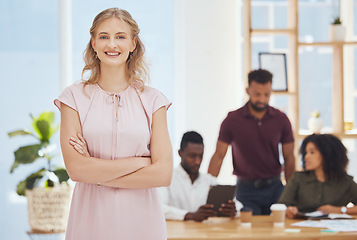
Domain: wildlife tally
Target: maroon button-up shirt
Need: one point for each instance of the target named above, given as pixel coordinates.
(255, 142)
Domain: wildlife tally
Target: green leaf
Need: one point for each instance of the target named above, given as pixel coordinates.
(49, 184)
(62, 174)
(43, 126)
(25, 155)
(43, 129)
(337, 21)
(14, 165)
(19, 132)
(21, 187)
(29, 182)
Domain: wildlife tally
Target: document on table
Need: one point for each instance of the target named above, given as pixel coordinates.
(334, 225)
(321, 215)
(339, 216)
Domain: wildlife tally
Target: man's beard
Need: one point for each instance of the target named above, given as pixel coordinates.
(188, 170)
(256, 108)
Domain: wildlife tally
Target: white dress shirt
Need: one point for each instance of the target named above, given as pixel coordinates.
(182, 196)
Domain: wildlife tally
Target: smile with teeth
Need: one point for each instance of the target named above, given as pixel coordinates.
(113, 53)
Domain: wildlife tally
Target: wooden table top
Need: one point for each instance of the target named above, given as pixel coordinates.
(262, 228)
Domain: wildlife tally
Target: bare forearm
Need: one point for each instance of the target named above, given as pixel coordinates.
(155, 175)
(159, 173)
(289, 159)
(289, 167)
(337, 209)
(96, 170)
(215, 165)
(352, 210)
(83, 168)
(217, 158)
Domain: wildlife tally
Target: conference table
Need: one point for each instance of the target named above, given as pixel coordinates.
(262, 228)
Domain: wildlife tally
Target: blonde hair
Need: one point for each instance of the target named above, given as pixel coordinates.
(136, 65)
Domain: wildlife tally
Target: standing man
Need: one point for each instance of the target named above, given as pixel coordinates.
(185, 198)
(254, 132)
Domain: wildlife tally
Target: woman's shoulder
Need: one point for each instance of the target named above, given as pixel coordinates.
(74, 87)
(80, 88)
(347, 178)
(147, 92)
(150, 91)
(151, 98)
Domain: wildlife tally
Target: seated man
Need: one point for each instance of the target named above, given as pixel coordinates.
(186, 198)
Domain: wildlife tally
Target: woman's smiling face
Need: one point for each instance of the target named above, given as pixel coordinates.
(113, 42)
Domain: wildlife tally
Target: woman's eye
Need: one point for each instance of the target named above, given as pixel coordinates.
(102, 37)
(120, 37)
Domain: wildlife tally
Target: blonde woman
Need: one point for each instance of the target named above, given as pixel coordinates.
(125, 151)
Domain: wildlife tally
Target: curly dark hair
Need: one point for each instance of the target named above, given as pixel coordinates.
(261, 76)
(333, 151)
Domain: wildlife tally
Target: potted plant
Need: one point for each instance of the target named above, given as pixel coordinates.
(47, 191)
(337, 30)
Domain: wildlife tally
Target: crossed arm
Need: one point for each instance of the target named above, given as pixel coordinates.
(133, 172)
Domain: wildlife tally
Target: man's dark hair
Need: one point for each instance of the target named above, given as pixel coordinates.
(333, 152)
(261, 76)
(190, 137)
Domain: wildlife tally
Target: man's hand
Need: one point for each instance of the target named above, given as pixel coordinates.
(228, 209)
(204, 212)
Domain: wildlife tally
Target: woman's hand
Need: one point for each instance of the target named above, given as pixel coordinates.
(291, 212)
(329, 209)
(79, 144)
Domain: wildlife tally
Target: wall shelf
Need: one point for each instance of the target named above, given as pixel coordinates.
(272, 31)
(283, 93)
(346, 134)
(318, 44)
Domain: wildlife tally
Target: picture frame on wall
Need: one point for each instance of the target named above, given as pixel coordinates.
(276, 64)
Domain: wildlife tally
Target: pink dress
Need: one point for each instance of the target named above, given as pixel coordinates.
(115, 125)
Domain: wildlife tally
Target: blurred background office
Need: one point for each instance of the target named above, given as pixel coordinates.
(195, 48)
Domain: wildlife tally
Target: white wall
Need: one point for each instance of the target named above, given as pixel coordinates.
(207, 71)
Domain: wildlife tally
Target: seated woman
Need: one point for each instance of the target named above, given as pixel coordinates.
(324, 185)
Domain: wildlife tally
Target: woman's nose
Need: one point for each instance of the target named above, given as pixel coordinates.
(111, 43)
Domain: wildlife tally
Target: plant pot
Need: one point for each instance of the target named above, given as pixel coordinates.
(315, 124)
(337, 33)
(48, 208)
